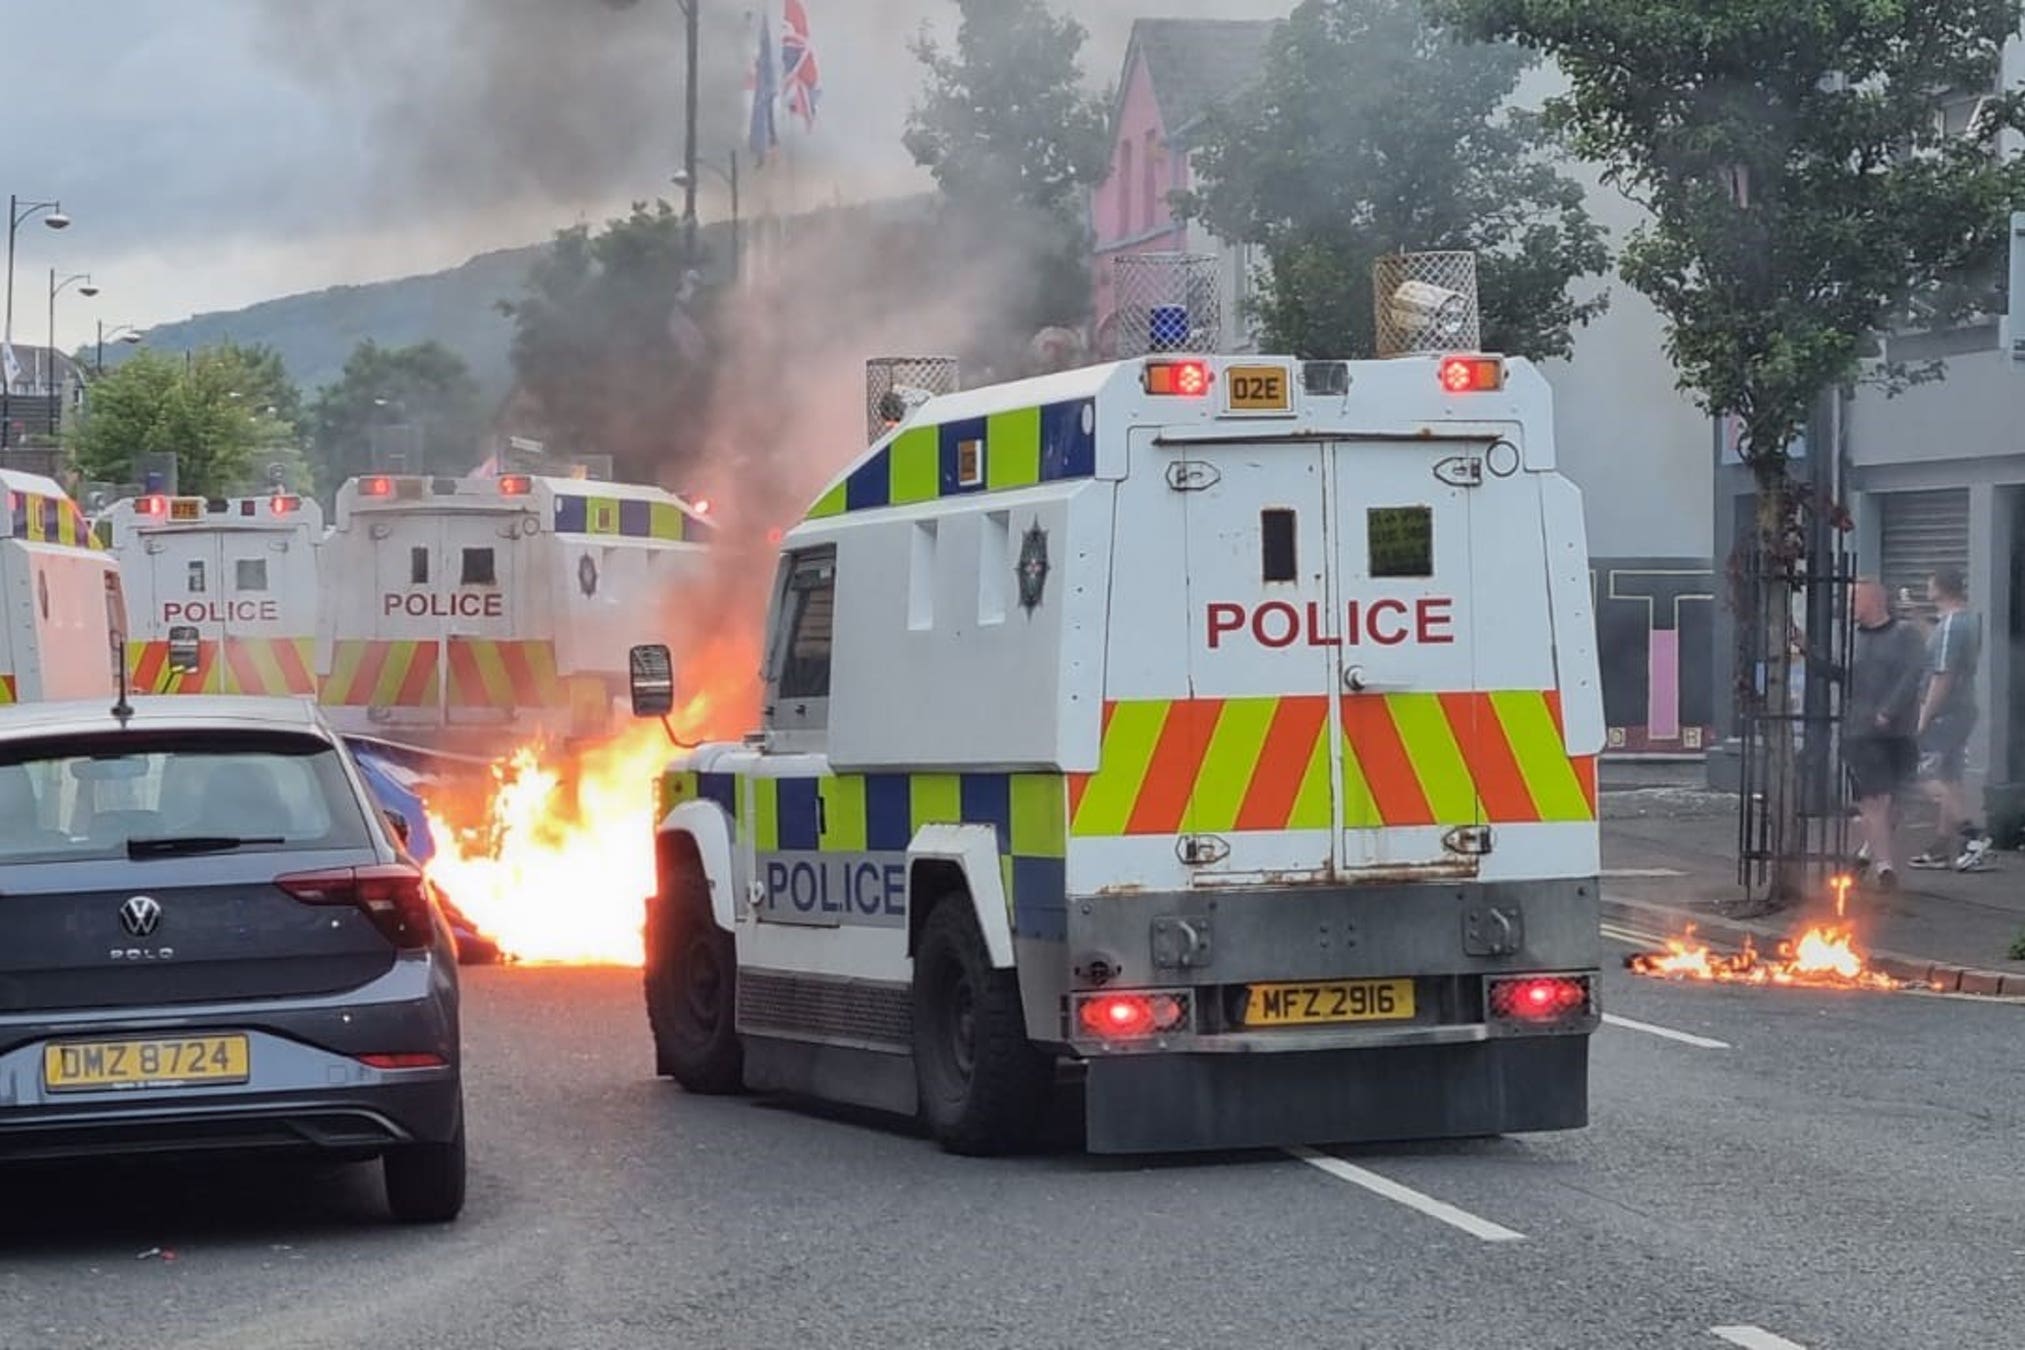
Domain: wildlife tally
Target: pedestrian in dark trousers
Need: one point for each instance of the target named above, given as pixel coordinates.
(1947, 716)
(1881, 720)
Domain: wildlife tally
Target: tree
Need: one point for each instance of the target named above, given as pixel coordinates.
(1376, 131)
(1805, 192)
(1013, 141)
(217, 409)
(608, 342)
(419, 401)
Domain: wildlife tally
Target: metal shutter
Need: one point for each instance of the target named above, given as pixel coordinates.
(1921, 533)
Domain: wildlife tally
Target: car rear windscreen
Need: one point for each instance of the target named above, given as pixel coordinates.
(96, 796)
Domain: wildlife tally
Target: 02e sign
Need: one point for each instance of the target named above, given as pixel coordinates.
(1257, 389)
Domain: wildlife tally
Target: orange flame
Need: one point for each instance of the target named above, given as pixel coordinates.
(1825, 957)
(556, 862)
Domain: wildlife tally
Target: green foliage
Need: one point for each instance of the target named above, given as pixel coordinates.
(603, 345)
(1014, 141)
(224, 411)
(1376, 131)
(419, 401)
(1802, 193)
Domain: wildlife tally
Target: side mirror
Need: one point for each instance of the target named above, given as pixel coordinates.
(398, 823)
(652, 670)
(185, 650)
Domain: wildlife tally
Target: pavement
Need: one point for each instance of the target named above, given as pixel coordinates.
(1669, 859)
(1765, 1167)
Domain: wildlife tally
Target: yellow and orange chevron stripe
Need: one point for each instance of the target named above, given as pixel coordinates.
(271, 667)
(1247, 764)
(488, 673)
(148, 666)
(367, 673)
(6, 688)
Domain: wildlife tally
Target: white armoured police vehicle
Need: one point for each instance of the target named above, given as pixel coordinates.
(61, 607)
(235, 576)
(463, 607)
(1222, 728)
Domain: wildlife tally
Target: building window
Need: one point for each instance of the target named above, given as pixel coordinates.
(1124, 189)
(1152, 166)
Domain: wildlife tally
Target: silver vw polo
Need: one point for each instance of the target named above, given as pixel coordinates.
(210, 940)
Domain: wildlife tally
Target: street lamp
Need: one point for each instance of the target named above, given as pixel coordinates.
(686, 180)
(82, 280)
(18, 213)
(125, 332)
(692, 16)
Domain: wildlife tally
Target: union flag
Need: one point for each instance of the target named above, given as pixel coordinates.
(801, 84)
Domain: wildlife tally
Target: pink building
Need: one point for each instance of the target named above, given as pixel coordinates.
(1176, 71)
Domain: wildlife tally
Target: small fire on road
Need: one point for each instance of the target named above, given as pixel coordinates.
(1823, 956)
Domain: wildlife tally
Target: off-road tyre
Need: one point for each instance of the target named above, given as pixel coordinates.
(692, 989)
(983, 1086)
(425, 1182)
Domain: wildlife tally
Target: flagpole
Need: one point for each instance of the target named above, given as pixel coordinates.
(693, 21)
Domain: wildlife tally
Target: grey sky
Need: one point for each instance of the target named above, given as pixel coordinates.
(219, 152)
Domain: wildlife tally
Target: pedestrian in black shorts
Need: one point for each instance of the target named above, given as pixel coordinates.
(1881, 720)
(1947, 716)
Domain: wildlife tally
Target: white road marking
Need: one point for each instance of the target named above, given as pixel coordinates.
(1630, 937)
(1754, 1338)
(1482, 1229)
(1666, 1033)
(1641, 873)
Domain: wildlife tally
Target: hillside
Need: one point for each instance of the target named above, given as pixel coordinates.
(316, 331)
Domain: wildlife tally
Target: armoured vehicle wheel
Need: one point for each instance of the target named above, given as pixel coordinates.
(983, 1085)
(692, 991)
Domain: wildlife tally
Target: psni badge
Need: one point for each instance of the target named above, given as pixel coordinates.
(1033, 567)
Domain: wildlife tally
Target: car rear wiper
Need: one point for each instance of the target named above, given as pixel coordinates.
(192, 843)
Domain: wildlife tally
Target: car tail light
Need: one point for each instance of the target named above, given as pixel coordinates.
(1472, 374)
(393, 895)
(403, 1061)
(1540, 999)
(1128, 1017)
(1186, 378)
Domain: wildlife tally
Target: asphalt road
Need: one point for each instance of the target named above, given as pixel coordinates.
(1842, 1171)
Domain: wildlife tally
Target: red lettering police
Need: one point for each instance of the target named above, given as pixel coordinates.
(221, 611)
(1387, 622)
(463, 605)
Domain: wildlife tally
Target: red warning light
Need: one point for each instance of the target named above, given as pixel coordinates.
(1472, 374)
(515, 485)
(1182, 379)
(282, 505)
(154, 506)
(379, 485)
(702, 505)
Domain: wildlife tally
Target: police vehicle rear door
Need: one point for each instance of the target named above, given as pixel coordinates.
(485, 681)
(1241, 771)
(399, 667)
(189, 569)
(1406, 680)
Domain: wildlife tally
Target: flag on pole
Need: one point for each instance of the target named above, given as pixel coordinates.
(803, 81)
(13, 367)
(765, 93)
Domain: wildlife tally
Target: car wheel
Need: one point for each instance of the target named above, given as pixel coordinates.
(984, 1087)
(425, 1182)
(692, 991)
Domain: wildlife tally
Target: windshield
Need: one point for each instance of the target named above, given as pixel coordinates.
(138, 794)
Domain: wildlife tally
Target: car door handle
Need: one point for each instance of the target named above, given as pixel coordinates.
(1357, 682)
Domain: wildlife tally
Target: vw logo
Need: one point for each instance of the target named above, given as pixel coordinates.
(140, 915)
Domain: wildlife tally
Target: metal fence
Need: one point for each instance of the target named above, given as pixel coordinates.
(895, 385)
(1426, 302)
(1166, 302)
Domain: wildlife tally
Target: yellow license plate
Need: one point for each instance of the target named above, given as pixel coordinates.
(1258, 389)
(97, 1065)
(1286, 1005)
(182, 509)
